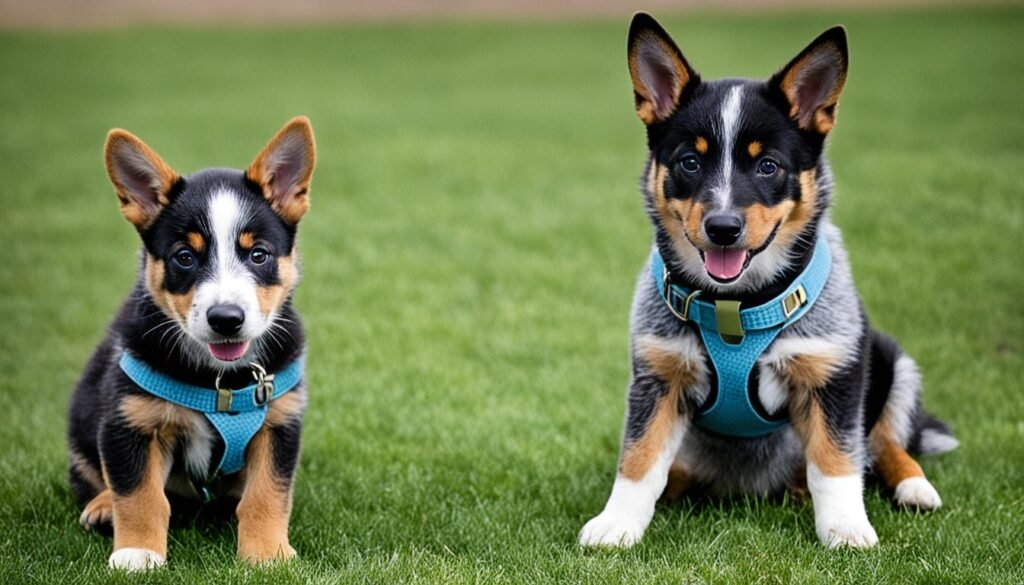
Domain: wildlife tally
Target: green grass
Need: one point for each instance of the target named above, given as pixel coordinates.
(468, 267)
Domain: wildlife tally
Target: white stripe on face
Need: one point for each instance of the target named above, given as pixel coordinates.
(729, 128)
(231, 282)
(225, 216)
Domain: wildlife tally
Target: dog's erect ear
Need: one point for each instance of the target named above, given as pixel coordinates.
(660, 72)
(284, 169)
(142, 180)
(811, 82)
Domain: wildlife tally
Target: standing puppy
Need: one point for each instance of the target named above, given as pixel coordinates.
(197, 389)
(753, 359)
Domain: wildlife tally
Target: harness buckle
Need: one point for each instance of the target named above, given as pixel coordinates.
(223, 396)
(666, 293)
(794, 301)
(264, 385)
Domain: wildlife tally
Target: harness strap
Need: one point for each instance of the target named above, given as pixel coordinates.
(236, 414)
(736, 337)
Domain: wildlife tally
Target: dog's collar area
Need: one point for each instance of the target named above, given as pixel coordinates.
(727, 317)
(236, 414)
(736, 337)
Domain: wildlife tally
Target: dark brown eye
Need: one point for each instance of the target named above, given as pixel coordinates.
(184, 258)
(259, 255)
(767, 167)
(689, 164)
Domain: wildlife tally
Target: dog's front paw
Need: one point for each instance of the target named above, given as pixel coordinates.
(98, 512)
(854, 531)
(266, 552)
(917, 492)
(135, 559)
(613, 530)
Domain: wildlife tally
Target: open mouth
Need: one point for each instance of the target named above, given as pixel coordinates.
(725, 265)
(228, 351)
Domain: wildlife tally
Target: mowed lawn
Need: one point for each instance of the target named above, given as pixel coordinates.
(468, 266)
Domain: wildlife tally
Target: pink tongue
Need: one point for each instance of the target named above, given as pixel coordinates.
(230, 351)
(724, 264)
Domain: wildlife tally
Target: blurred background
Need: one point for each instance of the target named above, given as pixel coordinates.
(105, 13)
(468, 264)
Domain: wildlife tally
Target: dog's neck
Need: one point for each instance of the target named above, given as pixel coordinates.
(159, 341)
(800, 253)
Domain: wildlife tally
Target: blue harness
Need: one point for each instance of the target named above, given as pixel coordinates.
(735, 338)
(236, 414)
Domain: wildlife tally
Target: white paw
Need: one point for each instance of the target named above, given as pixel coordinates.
(917, 492)
(135, 559)
(609, 529)
(851, 531)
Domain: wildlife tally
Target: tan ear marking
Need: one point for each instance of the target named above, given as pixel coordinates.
(284, 169)
(141, 179)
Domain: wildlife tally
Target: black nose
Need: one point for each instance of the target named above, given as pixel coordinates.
(225, 319)
(723, 230)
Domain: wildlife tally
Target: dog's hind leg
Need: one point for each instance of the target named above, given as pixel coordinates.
(895, 377)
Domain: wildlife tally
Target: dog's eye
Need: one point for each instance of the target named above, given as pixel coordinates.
(184, 258)
(259, 255)
(767, 167)
(689, 164)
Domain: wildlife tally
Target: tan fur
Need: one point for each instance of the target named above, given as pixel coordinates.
(272, 297)
(646, 109)
(265, 506)
(819, 119)
(87, 471)
(679, 481)
(892, 461)
(293, 205)
(676, 214)
(803, 211)
(121, 142)
(809, 371)
(701, 145)
(246, 240)
(641, 453)
(761, 221)
(196, 240)
(99, 510)
(173, 305)
(285, 409)
(754, 149)
(149, 414)
(820, 447)
(141, 517)
(668, 365)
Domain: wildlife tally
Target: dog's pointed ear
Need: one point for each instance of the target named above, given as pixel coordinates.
(659, 71)
(812, 81)
(284, 169)
(142, 180)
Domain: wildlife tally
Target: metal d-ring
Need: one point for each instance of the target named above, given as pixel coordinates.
(667, 295)
(264, 384)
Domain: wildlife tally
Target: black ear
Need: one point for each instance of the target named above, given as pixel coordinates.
(660, 72)
(142, 180)
(811, 82)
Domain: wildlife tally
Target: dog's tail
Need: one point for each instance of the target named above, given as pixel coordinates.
(932, 436)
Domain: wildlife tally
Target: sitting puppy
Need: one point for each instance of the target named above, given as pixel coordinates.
(753, 360)
(197, 390)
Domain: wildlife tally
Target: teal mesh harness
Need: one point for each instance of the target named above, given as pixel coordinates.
(236, 414)
(736, 337)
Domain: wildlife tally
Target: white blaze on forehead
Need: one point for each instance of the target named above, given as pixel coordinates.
(231, 280)
(225, 217)
(729, 127)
